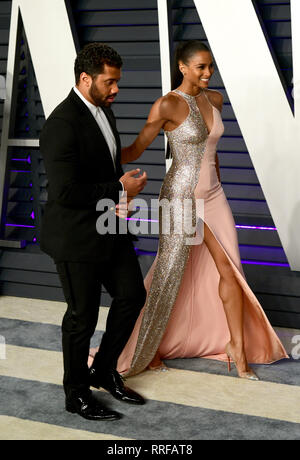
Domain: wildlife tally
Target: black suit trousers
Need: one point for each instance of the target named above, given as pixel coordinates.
(81, 282)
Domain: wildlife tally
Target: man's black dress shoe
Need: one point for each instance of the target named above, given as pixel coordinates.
(88, 407)
(114, 384)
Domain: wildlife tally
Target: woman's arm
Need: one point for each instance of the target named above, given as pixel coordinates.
(160, 113)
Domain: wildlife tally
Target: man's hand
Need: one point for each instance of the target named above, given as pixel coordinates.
(133, 185)
(125, 207)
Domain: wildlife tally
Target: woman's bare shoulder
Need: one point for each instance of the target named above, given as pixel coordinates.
(170, 101)
(168, 104)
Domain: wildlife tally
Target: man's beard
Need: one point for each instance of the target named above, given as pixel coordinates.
(97, 97)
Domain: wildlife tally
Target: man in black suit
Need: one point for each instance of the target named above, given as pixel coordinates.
(81, 149)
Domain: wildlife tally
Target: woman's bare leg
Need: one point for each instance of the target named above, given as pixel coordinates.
(232, 297)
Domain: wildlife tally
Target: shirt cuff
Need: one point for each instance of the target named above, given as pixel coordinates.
(123, 190)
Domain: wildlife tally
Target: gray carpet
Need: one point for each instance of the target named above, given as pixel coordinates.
(159, 420)
(156, 421)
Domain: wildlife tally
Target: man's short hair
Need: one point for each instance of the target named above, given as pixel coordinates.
(92, 58)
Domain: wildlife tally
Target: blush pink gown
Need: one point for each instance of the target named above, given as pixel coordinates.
(183, 316)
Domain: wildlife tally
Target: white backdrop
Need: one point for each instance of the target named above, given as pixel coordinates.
(51, 44)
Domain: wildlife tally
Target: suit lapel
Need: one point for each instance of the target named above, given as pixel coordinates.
(90, 122)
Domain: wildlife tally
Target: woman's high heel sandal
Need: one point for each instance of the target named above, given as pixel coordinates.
(158, 368)
(157, 364)
(249, 374)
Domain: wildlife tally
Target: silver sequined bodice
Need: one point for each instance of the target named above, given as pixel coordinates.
(187, 145)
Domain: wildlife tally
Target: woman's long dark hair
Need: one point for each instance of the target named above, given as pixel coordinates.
(183, 53)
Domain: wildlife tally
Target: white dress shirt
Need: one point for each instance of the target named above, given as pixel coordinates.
(104, 125)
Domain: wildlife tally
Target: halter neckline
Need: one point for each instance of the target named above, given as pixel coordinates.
(189, 95)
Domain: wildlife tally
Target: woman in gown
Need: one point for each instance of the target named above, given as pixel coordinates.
(199, 303)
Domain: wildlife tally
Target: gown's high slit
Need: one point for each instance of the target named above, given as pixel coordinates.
(183, 315)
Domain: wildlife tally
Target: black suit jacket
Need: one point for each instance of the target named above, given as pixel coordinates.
(80, 172)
